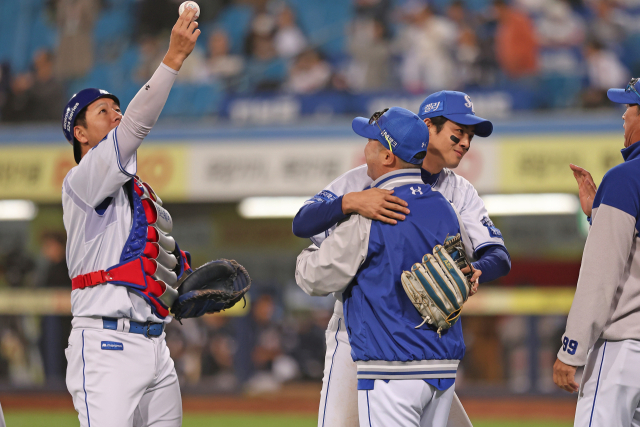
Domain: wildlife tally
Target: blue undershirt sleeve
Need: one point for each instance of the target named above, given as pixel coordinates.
(314, 218)
(494, 262)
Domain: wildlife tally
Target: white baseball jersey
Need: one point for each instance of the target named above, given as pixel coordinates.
(97, 213)
(454, 188)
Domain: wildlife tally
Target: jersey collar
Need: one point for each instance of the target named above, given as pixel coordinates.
(429, 178)
(631, 152)
(397, 178)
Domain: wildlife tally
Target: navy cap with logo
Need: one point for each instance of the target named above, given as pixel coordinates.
(399, 130)
(628, 95)
(76, 104)
(457, 107)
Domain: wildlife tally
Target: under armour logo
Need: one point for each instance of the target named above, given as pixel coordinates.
(415, 191)
(147, 87)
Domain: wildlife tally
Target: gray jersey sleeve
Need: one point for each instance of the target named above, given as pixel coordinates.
(143, 111)
(604, 262)
(354, 180)
(331, 267)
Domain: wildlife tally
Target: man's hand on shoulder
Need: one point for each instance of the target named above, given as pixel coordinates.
(183, 39)
(586, 188)
(377, 204)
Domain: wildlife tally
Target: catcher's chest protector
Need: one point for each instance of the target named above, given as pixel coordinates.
(151, 263)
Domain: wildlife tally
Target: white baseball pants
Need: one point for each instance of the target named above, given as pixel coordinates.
(404, 403)
(609, 395)
(339, 396)
(121, 379)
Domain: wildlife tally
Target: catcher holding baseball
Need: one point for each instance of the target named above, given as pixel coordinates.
(406, 358)
(127, 272)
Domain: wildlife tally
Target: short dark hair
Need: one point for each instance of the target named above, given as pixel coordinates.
(439, 122)
(81, 118)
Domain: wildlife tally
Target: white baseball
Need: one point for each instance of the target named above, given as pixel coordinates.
(189, 4)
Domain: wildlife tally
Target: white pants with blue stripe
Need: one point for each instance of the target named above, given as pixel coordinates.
(121, 379)
(339, 396)
(404, 403)
(609, 395)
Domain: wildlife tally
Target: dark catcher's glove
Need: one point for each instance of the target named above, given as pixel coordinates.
(437, 287)
(213, 287)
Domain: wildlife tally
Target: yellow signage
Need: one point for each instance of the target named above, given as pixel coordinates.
(540, 164)
(36, 172)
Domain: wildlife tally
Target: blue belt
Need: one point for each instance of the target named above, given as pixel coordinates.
(147, 329)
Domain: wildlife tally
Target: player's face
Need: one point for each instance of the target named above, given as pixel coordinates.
(447, 147)
(631, 124)
(372, 154)
(102, 115)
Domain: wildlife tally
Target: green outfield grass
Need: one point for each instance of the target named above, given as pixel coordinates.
(64, 419)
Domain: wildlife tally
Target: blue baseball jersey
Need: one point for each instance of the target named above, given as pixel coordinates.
(364, 260)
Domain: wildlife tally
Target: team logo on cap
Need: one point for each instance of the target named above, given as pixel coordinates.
(68, 115)
(469, 104)
(389, 139)
(434, 106)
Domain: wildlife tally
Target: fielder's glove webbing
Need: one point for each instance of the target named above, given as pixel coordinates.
(437, 287)
(213, 287)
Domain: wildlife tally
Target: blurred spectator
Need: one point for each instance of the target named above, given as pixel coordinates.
(55, 330)
(427, 44)
(273, 366)
(310, 349)
(221, 64)
(604, 71)
(370, 52)
(37, 95)
(264, 71)
(560, 32)
(75, 20)
(17, 266)
(467, 51)
(516, 42)
(309, 73)
(605, 27)
(155, 17)
(377, 10)
(218, 355)
(152, 51)
(560, 26)
(289, 39)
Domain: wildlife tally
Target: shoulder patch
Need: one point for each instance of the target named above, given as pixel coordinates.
(324, 196)
(493, 231)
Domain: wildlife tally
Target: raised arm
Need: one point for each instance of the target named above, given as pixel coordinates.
(145, 108)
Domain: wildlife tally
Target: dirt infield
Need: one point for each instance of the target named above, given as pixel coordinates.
(303, 399)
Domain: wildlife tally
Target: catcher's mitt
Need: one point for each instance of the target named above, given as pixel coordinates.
(213, 287)
(437, 287)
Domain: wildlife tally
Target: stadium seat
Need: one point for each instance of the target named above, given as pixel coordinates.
(235, 21)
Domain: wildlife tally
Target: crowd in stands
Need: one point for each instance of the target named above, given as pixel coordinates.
(572, 49)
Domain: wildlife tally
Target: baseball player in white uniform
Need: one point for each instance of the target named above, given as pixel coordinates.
(603, 327)
(452, 124)
(122, 262)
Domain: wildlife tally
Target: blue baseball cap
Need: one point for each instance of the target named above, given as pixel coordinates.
(457, 107)
(629, 95)
(399, 130)
(76, 104)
